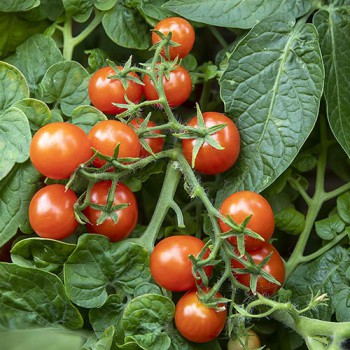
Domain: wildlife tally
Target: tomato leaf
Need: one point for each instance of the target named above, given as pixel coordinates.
(80, 10)
(42, 298)
(153, 11)
(276, 102)
(290, 221)
(328, 228)
(236, 13)
(18, 5)
(66, 83)
(104, 5)
(86, 117)
(97, 266)
(343, 205)
(34, 57)
(333, 26)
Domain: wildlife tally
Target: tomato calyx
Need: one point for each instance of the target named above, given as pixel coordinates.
(165, 42)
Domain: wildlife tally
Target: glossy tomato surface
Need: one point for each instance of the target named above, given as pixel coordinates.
(107, 134)
(242, 204)
(156, 143)
(177, 88)
(103, 91)
(170, 266)
(197, 322)
(182, 33)
(275, 267)
(51, 212)
(57, 149)
(249, 341)
(211, 160)
(127, 217)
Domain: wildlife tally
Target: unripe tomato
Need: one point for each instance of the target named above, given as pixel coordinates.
(251, 341)
(182, 33)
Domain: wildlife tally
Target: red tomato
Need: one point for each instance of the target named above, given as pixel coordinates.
(127, 217)
(275, 267)
(57, 149)
(239, 206)
(103, 91)
(51, 212)
(250, 340)
(177, 88)
(211, 160)
(197, 322)
(155, 143)
(105, 136)
(182, 33)
(170, 266)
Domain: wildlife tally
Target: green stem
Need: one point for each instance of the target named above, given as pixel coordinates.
(203, 102)
(218, 36)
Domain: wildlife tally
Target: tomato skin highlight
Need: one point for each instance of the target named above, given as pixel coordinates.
(197, 322)
(251, 341)
(127, 217)
(182, 33)
(239, 206)
(177, 88)
(51, 212)
(103, 91)
(156, 143)
(105, 136)
(57, 149)
(275, 267)
(170, 266)
(210, 160)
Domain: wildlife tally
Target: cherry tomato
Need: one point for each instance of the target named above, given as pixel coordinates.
(105, 136)
(103, 91)
(250, 340)
(275, 267)
(51, 212)
(211, 160)
(156, 143)
(177, 88)
(182, 33)
(127, 217)
(170, 266)
(57, 149)
(197, 322)
(239, 206)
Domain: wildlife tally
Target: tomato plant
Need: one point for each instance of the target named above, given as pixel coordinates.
(51, 213)
(57, 149)
(116, 223)
(248, 341)
(170, 265)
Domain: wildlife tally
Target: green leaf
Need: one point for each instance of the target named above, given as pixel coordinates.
(97, 267)
(276, 101)
(66, 83)
(86, 117)
(104, 5)
(343, 205)
(36, 111)
(333, 27)
(120, 18)
(15, 139)
(34, 57)
(16, 191)
(13, 86)
(159, 311)
(290, 221)
(305, 162)
(236, 13)
(18, 5)
(44, 254)
(97, 58)
(147, 288)
(32, 297)
(44, 10)
(328, 228)
(80, 10)
(153, 11)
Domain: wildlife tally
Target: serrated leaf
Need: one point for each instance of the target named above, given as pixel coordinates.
(290, 221)
(328, 228)
(18, 5)
(275, 100)
(333, 27)
(236, 13)
(343, 206)
(86, 117)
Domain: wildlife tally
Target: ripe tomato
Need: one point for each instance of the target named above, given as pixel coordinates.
(250, 340)
(105, 136)
(239, 206)
(57, 149)
(155, 143)
(127, 217)
(182, 33)
(103, 91)
(170, 266)
(51, 212)
(210, 160)
(275, 267)
(197, 322)
(177, 88)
